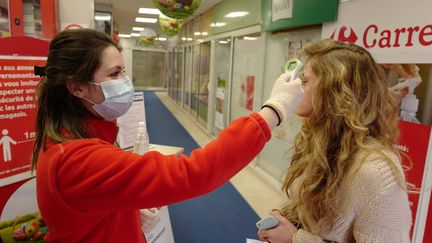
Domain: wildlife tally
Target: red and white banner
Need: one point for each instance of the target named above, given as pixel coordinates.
(414, 150)
(394, 31)
(17, 117)
(428, 227)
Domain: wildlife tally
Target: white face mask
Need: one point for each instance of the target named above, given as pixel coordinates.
(118, 95)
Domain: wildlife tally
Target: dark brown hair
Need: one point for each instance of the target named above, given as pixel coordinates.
(74, 56)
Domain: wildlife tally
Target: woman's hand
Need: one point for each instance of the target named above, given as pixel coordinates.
(283, 233)
(149, 218)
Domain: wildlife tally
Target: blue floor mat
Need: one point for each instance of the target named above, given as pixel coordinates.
(222, 216)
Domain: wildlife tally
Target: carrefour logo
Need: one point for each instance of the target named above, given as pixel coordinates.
(345, 36)
(374, 36)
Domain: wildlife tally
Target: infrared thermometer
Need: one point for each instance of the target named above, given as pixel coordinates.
(268, 222)
(293, 67)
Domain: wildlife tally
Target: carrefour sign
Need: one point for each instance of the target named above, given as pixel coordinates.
(388, 32)
(373, 36)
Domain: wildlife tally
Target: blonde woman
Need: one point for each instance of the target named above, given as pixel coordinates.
(345, 183)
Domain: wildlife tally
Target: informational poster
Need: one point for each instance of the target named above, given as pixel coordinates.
(17, 118)
(128, 123)
(282, 9)
(414, 150)
(17, 133)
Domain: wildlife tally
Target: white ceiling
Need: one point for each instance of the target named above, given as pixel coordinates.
(125, 11)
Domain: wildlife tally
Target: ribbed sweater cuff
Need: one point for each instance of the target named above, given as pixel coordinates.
(262, 124)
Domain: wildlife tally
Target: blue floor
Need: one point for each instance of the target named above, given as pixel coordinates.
(222, 216)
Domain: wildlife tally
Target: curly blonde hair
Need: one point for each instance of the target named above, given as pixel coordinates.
(351, 107)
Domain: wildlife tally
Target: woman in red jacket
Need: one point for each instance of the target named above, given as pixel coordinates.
(91, 191)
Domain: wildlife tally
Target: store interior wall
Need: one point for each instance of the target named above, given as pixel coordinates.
(76, 12)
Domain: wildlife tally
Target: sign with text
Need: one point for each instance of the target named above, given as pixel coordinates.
(414, 150)
(17, 117)
(128, 123)
(282, 9)
(389, 32)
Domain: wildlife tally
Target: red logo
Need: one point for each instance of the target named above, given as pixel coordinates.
(342, 36)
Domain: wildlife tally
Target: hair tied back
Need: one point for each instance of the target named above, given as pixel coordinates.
(40, 71)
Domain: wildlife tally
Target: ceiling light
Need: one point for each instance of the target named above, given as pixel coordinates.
(103, 17)
(204, 33)
(218, 24)
(189, 39)
(184, 38)
(145, 20)
(161, 39)
(135, 34)
(124, 35)
(237, 14)
(250, 38)
(137, 28)
(197, 33)
(223, 42)
(149, 11)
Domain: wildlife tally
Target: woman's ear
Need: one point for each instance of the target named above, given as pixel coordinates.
(76, 89)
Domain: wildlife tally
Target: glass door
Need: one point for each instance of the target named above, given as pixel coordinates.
(221, 77)
(188, 78)
(204, 77)
(195, 80)
(282, 46)
(247, 76)
(178, 78)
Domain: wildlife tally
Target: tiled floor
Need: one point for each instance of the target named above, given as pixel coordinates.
(261, 194)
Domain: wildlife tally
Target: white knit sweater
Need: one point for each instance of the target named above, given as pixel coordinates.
(373, 208)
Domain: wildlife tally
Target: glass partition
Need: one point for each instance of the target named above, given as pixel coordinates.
(195, 80)
(178, 78)
(247, 77)
(221, 77)
(276, 156)
(170, 72)
(188, 77)
(204, 76)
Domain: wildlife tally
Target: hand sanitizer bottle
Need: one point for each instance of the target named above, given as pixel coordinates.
(141, 144)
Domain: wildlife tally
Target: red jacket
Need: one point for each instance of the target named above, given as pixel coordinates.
(90, 191)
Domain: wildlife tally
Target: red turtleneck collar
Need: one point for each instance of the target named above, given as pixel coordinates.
(102, 129)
